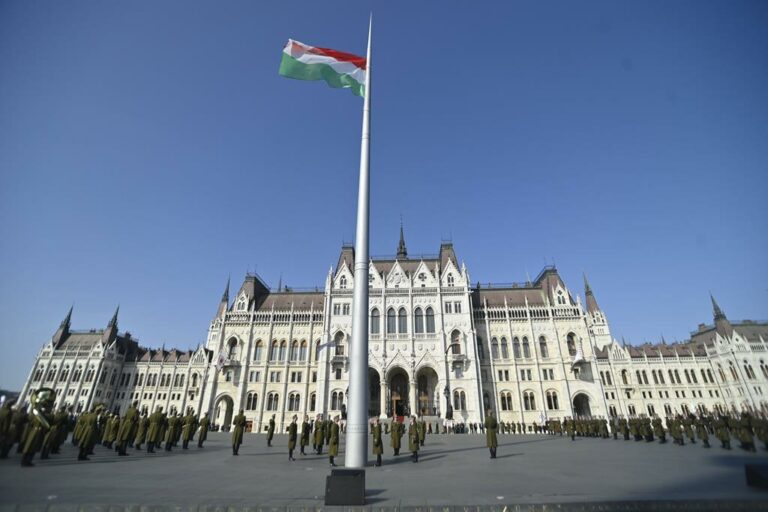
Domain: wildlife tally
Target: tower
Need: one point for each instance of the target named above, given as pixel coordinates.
(596, 321)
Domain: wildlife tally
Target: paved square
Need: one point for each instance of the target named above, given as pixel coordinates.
(452, 470)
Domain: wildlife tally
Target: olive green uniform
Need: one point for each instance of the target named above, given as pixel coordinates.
(491, 425)
(237, 433)
(377, 447)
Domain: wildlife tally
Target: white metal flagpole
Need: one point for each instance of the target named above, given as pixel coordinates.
(357, 399)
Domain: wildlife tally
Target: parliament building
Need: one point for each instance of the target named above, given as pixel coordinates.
(438, 346)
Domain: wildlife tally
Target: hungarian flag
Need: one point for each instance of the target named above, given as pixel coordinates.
(338, 69)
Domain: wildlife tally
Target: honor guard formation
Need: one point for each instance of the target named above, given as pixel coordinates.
(36, 427)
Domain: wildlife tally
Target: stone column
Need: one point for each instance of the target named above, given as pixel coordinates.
(383, 400)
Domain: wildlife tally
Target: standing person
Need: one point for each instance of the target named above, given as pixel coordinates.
(170, 434)
(88, 432)
(395, 434)
(155, 425)
(378, 447)
(491, 426)
(305, 429)
(658, 429)
(319, 438)
(141, 431)
(333, 442)
(202, 433)
(422, 431)
(292, 429)
(6, 413)
(701, 432)
(40, 420)
(237, 432)
(127, 425)
(413, 439)
(271, 430)
(188, 430)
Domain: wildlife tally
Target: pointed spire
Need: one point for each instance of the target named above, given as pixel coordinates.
(68, 319)
(225, 296)
(113, 322)
(587, 289)
(402, 252)
(590, 297)
(716, 309)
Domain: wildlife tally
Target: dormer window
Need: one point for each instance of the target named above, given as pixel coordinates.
(241, 304)
(449, 280)
(343, 283)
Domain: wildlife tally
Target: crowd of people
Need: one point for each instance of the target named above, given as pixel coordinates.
(38, 428)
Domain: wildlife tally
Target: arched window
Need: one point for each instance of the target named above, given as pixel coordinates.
(391, 321)
(693, 376)
(283, 346)
(64, 374)
(639, 379)
(516, 348)
(418, 321)
(645, 378)
(343, 282)
(571, 340)
(317, 350)
(733, 371)
(480, 349)
(273, 401)
(52, 374)
(624, 378)
(506, 401)
(38, 374)
(257, 350)
(671, 376)
(241, 304)
(677, 377)
(602, 378)
(303, 351)
(543, 347)
(526, 348)
(114, 378)
(504, 348)
(529, 402)
(430, 321)
(337, 400)
(338, 342)
(90, 374)
(375, 321)
(661, 376)
(449, 279)
(552, 403)
(455, 343)
(312, 401)
(294, 350)
(687, 376)
(721, 372)
(194, 380)
(711, 377)
(463, 398)
(232, 348)
(273, 351)
(251, 402)
(494, 349)
(456, 401)
(294, 400)
(78, 373)
(402, 321)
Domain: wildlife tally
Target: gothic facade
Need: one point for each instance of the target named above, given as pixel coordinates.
(438, 345)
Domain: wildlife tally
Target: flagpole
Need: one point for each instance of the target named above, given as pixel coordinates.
(357, 399)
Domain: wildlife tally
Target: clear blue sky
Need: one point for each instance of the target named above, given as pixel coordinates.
(149, 149)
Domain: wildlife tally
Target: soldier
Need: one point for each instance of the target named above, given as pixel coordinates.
(413, 439)
(761, 429)
(722, 433)
(571, 428)
(188, 429)
(170, 434)
(126, 426)
(271, 430)
(490, 433)
(422, 431)
(658, 429)
(202, 433)
(88, 432)
(155, 426)
(237, 432)
(395, 435)
(745, 433)
(319, 434)
(292, 435)
(378, 446)
(6, 413)
(688, 429)
(305, 429)
(701, 432)
(141, 431)
(333, 443)
(42, 402)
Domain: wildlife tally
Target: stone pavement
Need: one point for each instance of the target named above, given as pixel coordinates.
(452, 470)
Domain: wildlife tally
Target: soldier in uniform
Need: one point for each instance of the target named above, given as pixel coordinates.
(745, 433)
(237, 433)
(126, 426)
(701, 432)
(395, 434)
(722, 433)
(141, 431)
(170, 434)
(688, 429)
(571, 428)
(413, 439)
(188, 429)
(42, 402)
(333, 442)
(202, 433)
(319, 434)
(271, 430)
(658, 429)
(378, 447)
(490, 433)
(6, 413)
(422, 431)
(155, 426)
(305, 429)
(88, 432)
(292, 434)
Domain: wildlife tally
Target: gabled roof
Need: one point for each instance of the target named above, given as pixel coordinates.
(299, 300)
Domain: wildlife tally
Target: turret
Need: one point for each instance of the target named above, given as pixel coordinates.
(722, 325)
(402, 252)
(110, 333)
(598, 324)
(63, 331)
(224, 303)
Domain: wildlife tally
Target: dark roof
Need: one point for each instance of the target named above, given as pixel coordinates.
(514, 296)
(750, 329)
(299, 300)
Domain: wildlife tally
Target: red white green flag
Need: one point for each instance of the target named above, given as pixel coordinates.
(338, 69)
